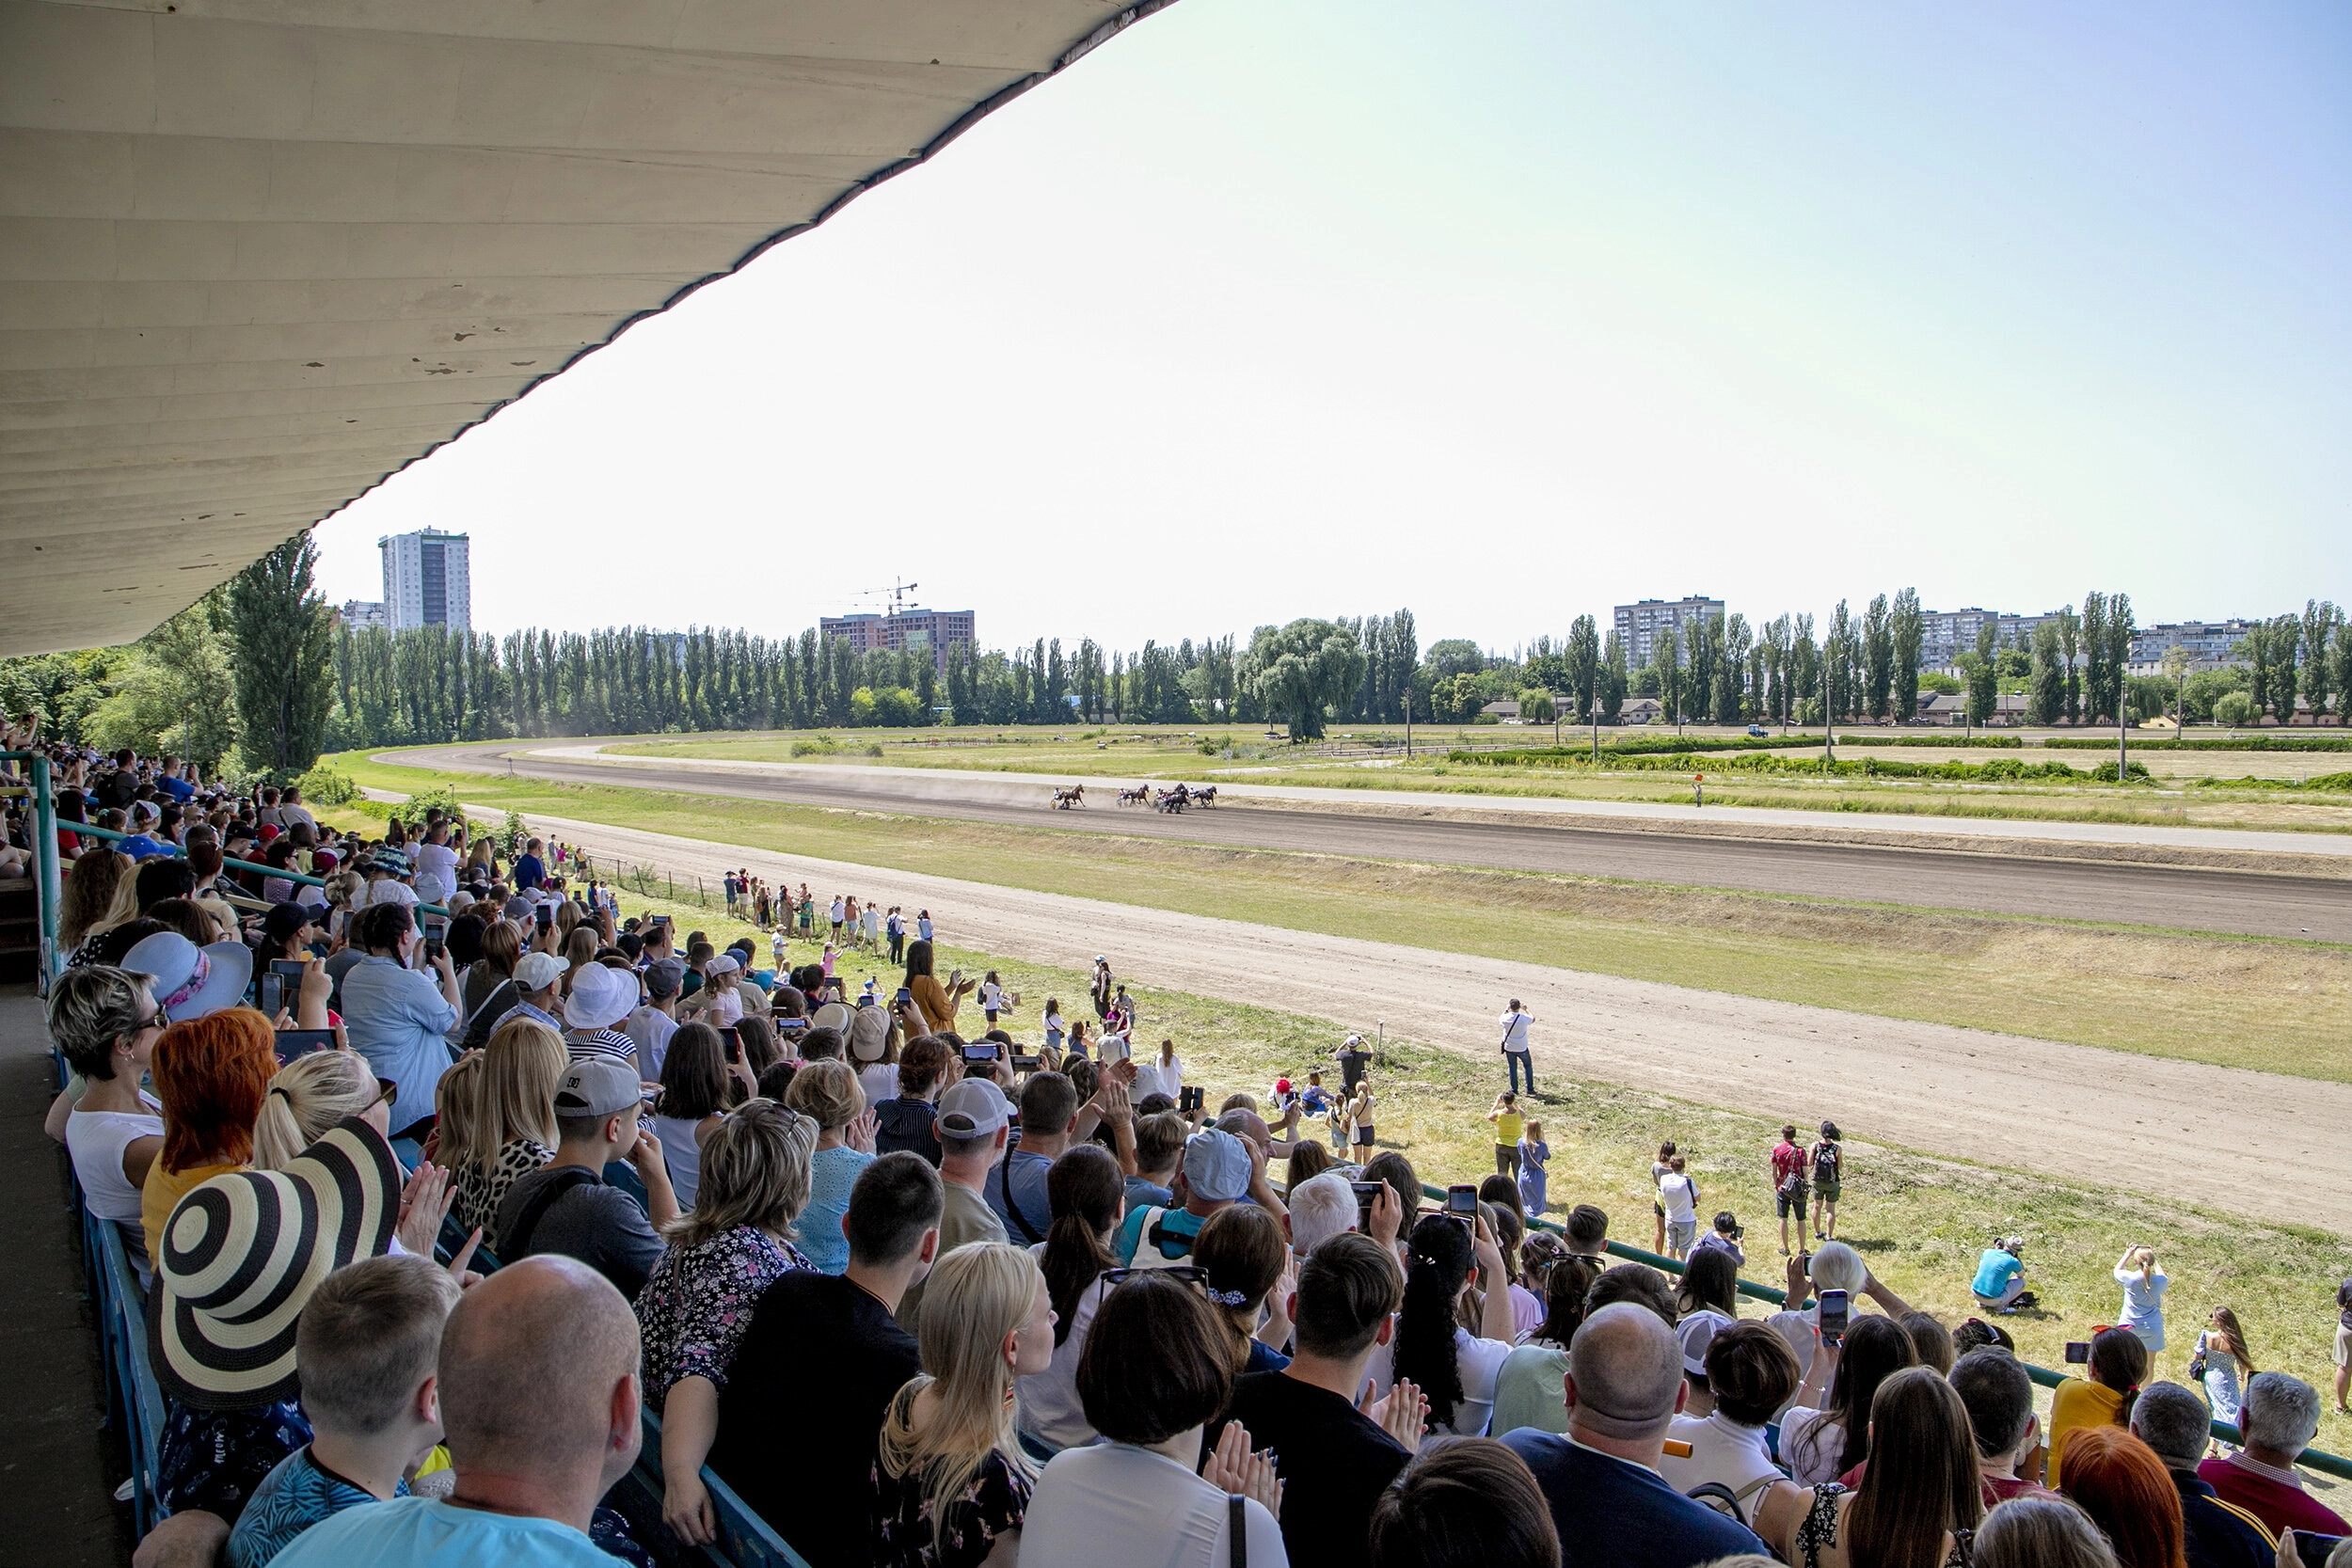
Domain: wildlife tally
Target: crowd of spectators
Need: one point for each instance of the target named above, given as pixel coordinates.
(924, 1298)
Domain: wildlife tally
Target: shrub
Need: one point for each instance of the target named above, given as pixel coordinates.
(2234, 708)
(323, 787)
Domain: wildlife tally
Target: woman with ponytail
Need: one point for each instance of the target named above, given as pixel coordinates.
(1455, 1368)
(308, 1096)
(1248, 1264)
(2119, 1365)
(1085, 1193)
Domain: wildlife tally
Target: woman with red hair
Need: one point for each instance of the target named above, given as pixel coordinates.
(211, 1075)
(2119, 1480)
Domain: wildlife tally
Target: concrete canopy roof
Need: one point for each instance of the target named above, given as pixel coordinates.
(256, 255)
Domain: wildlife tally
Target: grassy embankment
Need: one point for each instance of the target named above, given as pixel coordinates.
(2179, 795)
(2275, 1005)
(1921, 1222)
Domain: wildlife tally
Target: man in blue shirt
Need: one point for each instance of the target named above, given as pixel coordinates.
(1217, 1173)
(138, 846)
(529, 870)
(1016, 1188)
(1624, 1387)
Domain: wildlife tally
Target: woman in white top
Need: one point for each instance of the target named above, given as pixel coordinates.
(1752, 1373)
(2222, 1348)
(1161, 1074)
(1086, 1195)
(106, 1023)
(2144, 1285)
(1142, 1498)
(1455, 1368)
(694, 1094)
(1821, 1439)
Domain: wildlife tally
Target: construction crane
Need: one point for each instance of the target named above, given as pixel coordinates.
(896, 593)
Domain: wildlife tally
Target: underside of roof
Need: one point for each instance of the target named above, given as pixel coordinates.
(256, 255)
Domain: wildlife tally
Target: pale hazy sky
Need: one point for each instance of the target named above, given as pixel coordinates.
(1503, 313)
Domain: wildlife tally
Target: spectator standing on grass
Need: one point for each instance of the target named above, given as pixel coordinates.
(1789, 1195)
(1827, 1162)
(2277, 1422)
(2174, 1424)
(1534, 1154)
(1516, 1053)
(2220, 1363)
(1609, 1503)
(2344, 1346)
(1681, 1195)
(937, 1002)
(1510, 1125)
(1353, 1061)
(1724, 1237)
(2144, 1285)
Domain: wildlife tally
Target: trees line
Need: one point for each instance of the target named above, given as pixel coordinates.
(260, 676)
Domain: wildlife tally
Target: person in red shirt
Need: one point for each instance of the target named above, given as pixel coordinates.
(1789, 1183)
(2278, 1420)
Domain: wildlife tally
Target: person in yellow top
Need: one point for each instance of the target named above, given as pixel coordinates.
(1510, 1124)
(935, 1002)
(2119, 1364)
(211, 1075)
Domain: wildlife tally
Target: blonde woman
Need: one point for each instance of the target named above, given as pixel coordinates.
(307, 1098)
(122, 908)
(699, 1298)
(829, 1091)
(2144, 1285)
(950, 1482)
(515, 1132)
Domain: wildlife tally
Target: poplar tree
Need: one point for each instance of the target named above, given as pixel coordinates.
(284, 643)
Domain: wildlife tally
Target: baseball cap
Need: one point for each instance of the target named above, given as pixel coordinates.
(538, 971)
(1697, 1332)
(723, 964)
(596, 1087)
(973, 1108)
(283, 921)
(1216, 1165)
(663, 976)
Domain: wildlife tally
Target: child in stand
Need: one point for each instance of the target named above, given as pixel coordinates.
(1534, 1155)
(369, 1344)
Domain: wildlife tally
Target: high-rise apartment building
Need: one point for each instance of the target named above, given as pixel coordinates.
(1639, 624)
(2208, 643)
(427, 581)
(936, 630)
(359, 615)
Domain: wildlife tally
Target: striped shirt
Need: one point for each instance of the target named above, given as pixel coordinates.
(583, 1043)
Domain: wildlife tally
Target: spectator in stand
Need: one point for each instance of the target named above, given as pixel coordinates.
(1152, 1379)
(1587, 1232)
(1706, 1300)
(829, 1093)
(817, 1475)
(1751, 1374)
(1529, 1388)
(1920, 1502)
(1085, 1190)
(211, 1075)
(1049, 1115)
(1821, 1439)
(397, 1016)
(2277, 1422)
(308, 1097)
(1976, 1334)
(1159, 1154)
(2174, 1424)
(1789, 1193)
(655, 1021)
(87, 895)
(1998, 1396)
(601, 998)
(1248, 1268)
(2119, 1480)
(952, 1483)
(539, 979)
(2043, 1531)
(529, 870)
(975, 1119)
(1836, 1267)
(873, 1051)
(369, 1341)
(694, 1094)
(1468, 1502)
(1334, 1454)
(2144, 1285)
(539, 1398)
(1931, 1340)
(1453, 1367)
(2119, 1365)
(2000, 1282)
(698, 1302)
(514, 1130)
(105, 1022)
(1609, 1503)
(568, 1208)
(909, 1121)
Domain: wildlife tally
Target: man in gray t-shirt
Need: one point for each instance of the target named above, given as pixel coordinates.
(566, 1207)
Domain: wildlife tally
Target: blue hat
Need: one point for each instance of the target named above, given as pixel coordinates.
(1216, 1167)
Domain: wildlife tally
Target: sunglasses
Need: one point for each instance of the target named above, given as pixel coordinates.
(1186, 1273)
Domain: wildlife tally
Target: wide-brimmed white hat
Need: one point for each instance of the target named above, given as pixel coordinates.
(600, 997)
(869, 1035)
(242, 1253)
(192, 981)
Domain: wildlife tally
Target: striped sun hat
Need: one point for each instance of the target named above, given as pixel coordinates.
(241, 1254)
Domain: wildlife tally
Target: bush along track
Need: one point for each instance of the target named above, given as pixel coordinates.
(1995, 770)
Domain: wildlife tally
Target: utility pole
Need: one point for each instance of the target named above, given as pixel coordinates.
(2123, 745)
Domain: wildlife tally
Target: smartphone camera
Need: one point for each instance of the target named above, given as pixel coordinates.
(269, 994)
(2079, 1353)
(1367, 1195)
(1461, 1201)
(1836, 1315)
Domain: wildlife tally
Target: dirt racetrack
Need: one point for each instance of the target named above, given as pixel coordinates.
(2018, 876)
(2253, 1142)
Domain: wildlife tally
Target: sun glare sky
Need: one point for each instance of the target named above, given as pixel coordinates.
(1502, 314)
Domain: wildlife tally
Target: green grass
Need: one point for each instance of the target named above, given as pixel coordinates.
(2266, 1004)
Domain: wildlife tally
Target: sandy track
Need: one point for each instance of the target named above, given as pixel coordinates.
(2250, 1142)
(2011, 877)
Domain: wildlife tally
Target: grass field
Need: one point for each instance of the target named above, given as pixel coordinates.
(2275, 1006)
(1169, 753)
(1921, 1222)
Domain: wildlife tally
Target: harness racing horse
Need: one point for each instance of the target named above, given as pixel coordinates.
(1065, 798)
(1136, 797)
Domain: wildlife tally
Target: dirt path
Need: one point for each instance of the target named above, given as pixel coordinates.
(2248, 1142)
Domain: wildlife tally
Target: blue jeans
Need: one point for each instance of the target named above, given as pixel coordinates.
(1519, 1060)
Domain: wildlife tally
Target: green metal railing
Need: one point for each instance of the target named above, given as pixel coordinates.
(2311, 1458)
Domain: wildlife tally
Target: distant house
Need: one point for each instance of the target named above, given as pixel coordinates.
(1508, 708)
(1939, 707)
(1642, 710)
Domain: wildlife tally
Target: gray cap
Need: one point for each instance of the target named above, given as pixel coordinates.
(596, 1087)
(665, 976)
(1216, 1167)
(973, 1108)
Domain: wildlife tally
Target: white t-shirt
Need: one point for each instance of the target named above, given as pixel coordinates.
(1815, 1459)
(880, 1080)
(1051, 1410)
(96, 1139)
(1514, 1030)
(1114, 1503)
(1479, 1361)
(1152, 1078)
(991, 996)
(1722, 1450)
(440, 859)
(1680, 1197)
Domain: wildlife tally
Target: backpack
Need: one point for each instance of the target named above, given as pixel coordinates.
(1827, 1158)
(516, 1243)
(1148, 1253)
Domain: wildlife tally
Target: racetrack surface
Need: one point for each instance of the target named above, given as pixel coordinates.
(2004, 878)
(2102, 1119)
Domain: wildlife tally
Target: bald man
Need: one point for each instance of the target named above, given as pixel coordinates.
(1624, 1387)
(540, 1406)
